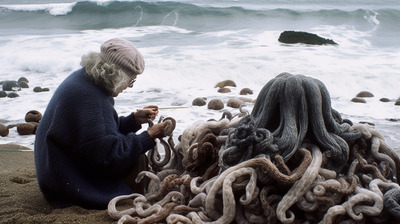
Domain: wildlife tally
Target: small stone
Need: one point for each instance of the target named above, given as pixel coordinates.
(37, 89)
(397, 102)
(12, 95)
(3, 130)
(215, 104)
(3, 94)
(45, 89)
(224, 90)
(246, 91)
(23, 79)
(225, 83)
(33, 116)
(199, 101)
(358, 100)
(27, 128)
(11, 86)
(234, 103)
(385, 100)
(23, 84)
(365, 94)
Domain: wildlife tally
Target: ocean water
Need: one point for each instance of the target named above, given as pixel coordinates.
(190, 45)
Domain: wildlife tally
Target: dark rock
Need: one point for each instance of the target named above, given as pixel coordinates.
(10, 86)
(33, 116)
(45, 89)
(365, 94)
(226, 83)
(234, 103)
(3, 130)
(12, 95)
(215, 104)
(23, 79)
(246, 91)
(397, 102)
(358, 100)
(23, 84)
(293, 37)
(37, 89)
(199, 101)
(3, 94)
(385, 100)
(224, 90)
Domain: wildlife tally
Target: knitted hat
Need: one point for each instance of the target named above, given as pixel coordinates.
(124, 55)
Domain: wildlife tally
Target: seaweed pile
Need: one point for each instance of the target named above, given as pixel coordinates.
(293, 159)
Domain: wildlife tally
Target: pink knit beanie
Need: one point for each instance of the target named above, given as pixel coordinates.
(124, 55)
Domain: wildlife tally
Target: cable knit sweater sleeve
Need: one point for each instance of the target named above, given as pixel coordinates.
(83, 150)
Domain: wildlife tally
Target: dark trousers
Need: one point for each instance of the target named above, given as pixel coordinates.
(141, 165)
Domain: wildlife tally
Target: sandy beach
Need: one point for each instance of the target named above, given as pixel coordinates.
(21, 200)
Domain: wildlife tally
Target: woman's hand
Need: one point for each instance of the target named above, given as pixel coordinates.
(157, 130)
(148, 112)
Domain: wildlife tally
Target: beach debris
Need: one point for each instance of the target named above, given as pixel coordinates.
(199, 101)
(246, 91)
(293, 37)
(215, 104)
(293, 159)
(225, 83)
(365, 94)
(4, 130)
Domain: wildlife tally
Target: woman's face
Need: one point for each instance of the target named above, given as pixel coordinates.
(125, 85)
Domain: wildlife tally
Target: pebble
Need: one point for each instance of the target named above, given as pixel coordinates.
(365, 94)
(215, 104)
(226, 83)
(246, 91)
(358, 100)
(199, 101)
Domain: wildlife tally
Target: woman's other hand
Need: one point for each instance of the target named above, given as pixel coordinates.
(148, 112)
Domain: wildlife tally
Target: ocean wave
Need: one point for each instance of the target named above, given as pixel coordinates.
(116, 14)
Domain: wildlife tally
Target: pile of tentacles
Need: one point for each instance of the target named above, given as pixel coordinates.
(292, 160)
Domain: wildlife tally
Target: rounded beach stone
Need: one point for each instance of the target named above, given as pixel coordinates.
(27, 128)
(224, 90)
(33, 116)
(215, 104)
(385, 100)
(3, 130)
(365, 94)
(45, 89)
(3, 94)
(10, 85)
(37, 89)
(23, 79)
(246, 91)
(12, 95)
(199, 101)
(226, 83)
(358, 100)
(23, 84)
(234, 103)
(397, 102)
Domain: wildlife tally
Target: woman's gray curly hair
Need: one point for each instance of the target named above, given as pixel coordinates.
(104, 74)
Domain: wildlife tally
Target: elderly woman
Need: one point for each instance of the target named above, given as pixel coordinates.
(85, 154)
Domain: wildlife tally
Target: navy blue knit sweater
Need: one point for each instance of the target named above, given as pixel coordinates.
(83, 150)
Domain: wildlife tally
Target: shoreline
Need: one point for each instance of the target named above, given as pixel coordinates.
(21, 200)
